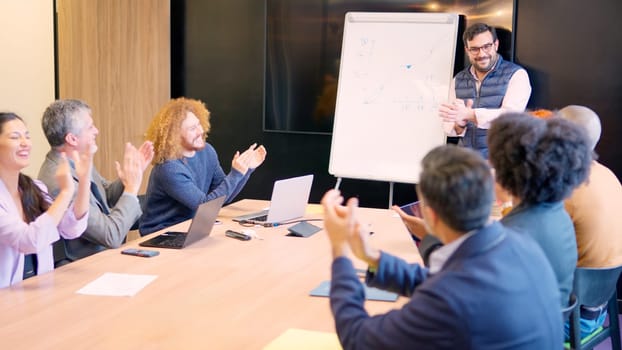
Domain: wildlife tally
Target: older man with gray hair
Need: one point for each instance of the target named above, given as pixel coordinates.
(595, 208)
(114, 206)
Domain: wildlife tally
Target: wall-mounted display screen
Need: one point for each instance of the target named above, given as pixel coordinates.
(303, 49)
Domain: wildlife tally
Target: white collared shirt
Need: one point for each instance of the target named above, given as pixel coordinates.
(442, 254)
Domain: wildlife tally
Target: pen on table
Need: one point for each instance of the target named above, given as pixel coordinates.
(338, 183)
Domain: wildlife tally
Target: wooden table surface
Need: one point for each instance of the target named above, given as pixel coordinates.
(218, 293)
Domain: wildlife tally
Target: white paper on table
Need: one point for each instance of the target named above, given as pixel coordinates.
(117, 284)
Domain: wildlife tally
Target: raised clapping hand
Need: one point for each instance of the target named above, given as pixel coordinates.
(345, 230)
(131, 173)
(257, 157)
(63, 176)
(251, 158)
(337, 222)
(146, 152)
(414, 224)
(67, 188)
(83, 163)
(458, 112)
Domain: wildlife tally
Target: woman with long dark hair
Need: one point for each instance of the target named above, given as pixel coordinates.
(30, 221)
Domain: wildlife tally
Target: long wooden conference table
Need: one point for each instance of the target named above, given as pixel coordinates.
(218, 293)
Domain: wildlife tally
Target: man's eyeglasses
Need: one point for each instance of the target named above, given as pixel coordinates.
(474, 50)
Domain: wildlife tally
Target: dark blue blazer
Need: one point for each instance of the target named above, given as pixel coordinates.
(550, 226)
(497, 291)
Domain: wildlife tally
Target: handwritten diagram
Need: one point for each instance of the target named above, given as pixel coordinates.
(396, 69)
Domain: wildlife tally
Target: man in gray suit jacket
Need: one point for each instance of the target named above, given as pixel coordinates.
(114, 206)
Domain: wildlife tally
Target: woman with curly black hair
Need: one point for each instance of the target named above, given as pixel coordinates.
(540, 162)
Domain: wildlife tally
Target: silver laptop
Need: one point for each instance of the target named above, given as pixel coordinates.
(200, 227)
(289, 201)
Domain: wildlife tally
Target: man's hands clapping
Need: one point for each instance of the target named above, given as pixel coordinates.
(251, 158)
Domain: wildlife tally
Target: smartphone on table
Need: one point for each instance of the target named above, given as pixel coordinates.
(145, 253)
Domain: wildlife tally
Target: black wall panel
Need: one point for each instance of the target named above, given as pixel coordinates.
(219, 55)
(571, 48)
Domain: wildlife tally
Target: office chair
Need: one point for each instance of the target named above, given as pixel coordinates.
(572, 304)
(60, 255)
(594, 287)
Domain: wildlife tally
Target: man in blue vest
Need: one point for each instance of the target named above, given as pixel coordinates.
(487, 88)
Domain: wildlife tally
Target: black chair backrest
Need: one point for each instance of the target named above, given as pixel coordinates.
(595, 286)
(60, 254)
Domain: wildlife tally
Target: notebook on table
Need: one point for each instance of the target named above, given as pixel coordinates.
(200, 227)
(288, 201)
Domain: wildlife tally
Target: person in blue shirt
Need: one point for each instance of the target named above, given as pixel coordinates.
(486, 288)
(186, 169)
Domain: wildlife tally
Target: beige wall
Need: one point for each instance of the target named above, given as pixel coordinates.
(27, 67)
(114, 54)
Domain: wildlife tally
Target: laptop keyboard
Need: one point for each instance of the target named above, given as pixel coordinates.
(176, 241)
(259, 218)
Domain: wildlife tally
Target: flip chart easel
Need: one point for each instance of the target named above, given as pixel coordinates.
(395, 70)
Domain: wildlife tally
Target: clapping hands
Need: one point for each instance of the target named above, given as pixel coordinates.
(345, 230)
(251, 158)
(83, 163)
(134, 163)
(146, 154)
(458, 112)
(63, 176)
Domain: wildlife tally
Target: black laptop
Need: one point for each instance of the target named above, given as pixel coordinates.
(201, 227)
